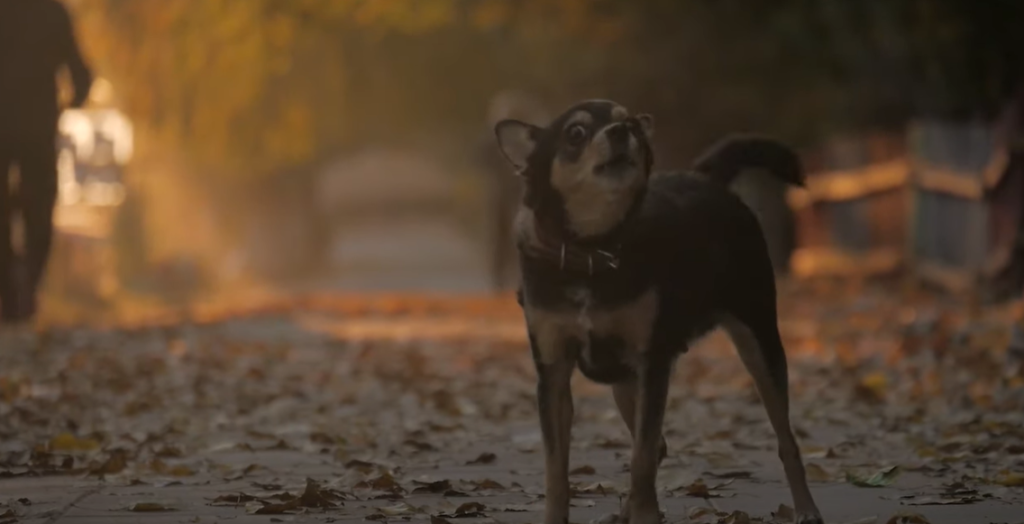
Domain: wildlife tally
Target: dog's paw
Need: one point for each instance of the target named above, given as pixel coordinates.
(808, 518)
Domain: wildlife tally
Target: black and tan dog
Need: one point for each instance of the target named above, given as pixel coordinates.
(622, 269)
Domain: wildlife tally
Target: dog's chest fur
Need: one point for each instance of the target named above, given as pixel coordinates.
(604, 323)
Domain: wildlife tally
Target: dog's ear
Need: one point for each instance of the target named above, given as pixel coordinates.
(517, 141)
(647, 124)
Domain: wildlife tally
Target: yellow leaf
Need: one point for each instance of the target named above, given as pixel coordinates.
(1009, 479)
(69, 442)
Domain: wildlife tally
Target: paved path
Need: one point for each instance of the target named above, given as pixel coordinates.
(380, 406)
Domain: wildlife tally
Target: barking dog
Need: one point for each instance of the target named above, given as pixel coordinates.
(621, 270)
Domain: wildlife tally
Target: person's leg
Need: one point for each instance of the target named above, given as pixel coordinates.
(38, 195)
(8, 298)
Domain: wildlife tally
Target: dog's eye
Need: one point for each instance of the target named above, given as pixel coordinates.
(575, 135)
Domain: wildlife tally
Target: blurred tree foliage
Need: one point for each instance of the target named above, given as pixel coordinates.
(264, 83)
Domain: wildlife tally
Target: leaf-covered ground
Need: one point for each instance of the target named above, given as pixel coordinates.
(416, 409)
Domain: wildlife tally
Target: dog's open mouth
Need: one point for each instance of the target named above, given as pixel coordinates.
(617, 161)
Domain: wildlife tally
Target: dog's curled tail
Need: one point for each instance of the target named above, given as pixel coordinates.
(729, 157)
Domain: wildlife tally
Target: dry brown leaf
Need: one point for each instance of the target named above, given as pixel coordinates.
(318, 437)
(399, 509)
(313, 498)
(699, 489)
(233, 500)
(784, 514)
(907, 518)
(169, 452)
(470, 510)
(278, 509)
(731, 475)
(181, 471)
(584, 470)
(484, 458)
(1009, 479)
(817, 473)
(736, 517)
(69, 442)
(437, 486)
(361, 465)
(115, 464)
(597, 488)
(486, 484)
(149, 507)
(699, 512)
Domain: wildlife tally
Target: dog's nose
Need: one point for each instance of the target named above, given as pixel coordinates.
(618, 133)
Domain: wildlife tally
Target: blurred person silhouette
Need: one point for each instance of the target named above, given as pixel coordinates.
(504, 189)
(36, 40)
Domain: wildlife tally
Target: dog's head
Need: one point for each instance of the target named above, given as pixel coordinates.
(585, 170)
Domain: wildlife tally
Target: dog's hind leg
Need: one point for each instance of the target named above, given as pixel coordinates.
(760, 349)
(651, 397)
(555, 361)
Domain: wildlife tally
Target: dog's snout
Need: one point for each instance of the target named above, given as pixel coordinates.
(618, 133)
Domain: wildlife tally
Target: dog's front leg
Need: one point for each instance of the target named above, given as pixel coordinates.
(652, 394)
(555, 363)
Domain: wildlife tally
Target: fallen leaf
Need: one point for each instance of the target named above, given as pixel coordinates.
(784, 514)
(382, 482)
(736, 517)
(517, 508)
(169, 452)
(1009, 479)
(467, 510)
(437, 486)
(313, 498)
(699, 512)
(69, 442)
(926, 500)
(278, 509)
(872, 388)
(817, 473)
(609, 443)
(318, 437)
(597, 488)
(470, 510)
(699, 489)
(583, 470)
(731, 475)
(398, 510)
(112, 466)
(361, 465)
(181, 471)
(486, 484)
(235, 499)
(907, 518)
(148, 507)
(484, 458)
(879, 479)
(420, 445)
